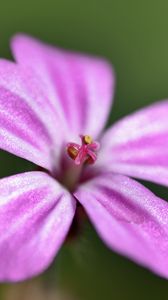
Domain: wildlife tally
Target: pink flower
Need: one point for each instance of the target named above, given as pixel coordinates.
(53, 107)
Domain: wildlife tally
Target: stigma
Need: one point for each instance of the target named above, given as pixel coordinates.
(85, 153)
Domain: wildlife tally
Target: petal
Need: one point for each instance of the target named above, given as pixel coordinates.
(138, 145)
(81, 86)
(129, 218)
(29, 125)
(35, 216)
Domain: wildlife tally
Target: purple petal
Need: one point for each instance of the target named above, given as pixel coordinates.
(29, 125)
(138, 145)
(80, 86)
(35, 216)
(129, 218)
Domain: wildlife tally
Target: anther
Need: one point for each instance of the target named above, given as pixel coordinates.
(87, 139)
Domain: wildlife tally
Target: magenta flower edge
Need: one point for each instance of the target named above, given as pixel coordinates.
(53, 107)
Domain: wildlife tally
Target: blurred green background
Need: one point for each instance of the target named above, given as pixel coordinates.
(133, 35)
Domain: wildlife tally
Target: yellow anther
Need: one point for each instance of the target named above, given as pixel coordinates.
(72, 151)
(87, 139)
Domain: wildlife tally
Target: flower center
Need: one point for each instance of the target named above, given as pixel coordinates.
(84, 153)
(79, 156)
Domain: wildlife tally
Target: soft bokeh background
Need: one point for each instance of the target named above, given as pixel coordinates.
(133, 35)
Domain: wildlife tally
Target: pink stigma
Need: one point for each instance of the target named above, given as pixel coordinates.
(84, 153)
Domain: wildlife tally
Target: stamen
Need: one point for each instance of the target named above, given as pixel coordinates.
(84, 153)
(73, 150)
(87, 139)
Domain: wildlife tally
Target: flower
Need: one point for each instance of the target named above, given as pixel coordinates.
(53, 108)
